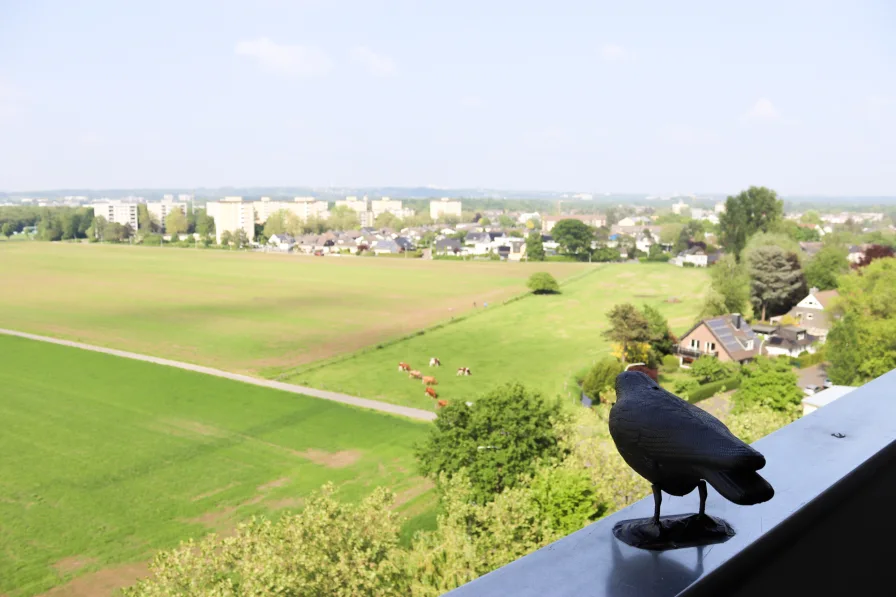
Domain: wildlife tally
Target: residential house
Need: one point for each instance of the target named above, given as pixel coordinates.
(636, 229)
(789, 341)
(811, 248)
(596, 220)
(856, 253)
(478, 243)
(727, 337)
(282, 242)
(814, 312)
(404, 243)
(696, 255)
(643, 242)
(515, 249)
(447, 246)
(386, 245)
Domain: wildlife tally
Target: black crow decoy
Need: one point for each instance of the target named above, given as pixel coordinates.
(679, 447)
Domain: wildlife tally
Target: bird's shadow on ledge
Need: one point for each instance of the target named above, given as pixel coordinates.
(673, 532)
(644, 572)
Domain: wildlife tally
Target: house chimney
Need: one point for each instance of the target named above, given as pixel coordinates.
(813, 290)
(735, 318)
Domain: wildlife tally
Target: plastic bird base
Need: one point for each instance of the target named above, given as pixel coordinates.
(673, 532)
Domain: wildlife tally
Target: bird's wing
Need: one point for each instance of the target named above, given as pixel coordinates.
(672, 431)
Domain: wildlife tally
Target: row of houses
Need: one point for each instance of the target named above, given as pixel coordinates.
(731, 339)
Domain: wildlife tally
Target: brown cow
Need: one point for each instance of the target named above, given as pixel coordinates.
(434, 362)
(431, 393)
(442, 403)
(464, 371)
(429, 381)
(415, 374)
(402, 366)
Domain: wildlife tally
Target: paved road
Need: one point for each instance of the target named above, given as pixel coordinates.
(811, 376)
(405, 411)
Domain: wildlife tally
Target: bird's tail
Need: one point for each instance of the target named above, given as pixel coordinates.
(744, 488)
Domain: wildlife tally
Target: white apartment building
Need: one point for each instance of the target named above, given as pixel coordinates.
(232, 214)
(160, 210)
(353, 203)
(303, 207)
(118, 212)
(444, 207)
(386, 205)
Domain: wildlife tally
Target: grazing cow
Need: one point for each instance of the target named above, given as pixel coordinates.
(402, 366)
(434, 362)
(464, 371)
(414, 374)
(442, 403)
(431, 393)
(429, 381)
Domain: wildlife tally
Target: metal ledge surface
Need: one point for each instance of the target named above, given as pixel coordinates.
(811, 468)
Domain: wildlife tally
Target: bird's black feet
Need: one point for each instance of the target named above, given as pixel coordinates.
(673, 532)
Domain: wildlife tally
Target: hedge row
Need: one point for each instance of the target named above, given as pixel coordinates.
(807, 360)
(710, 389)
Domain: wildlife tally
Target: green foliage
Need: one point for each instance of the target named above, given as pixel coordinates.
(606, 254)
(769, 383)
(176, 221)
(684, 387)
(320, 551)
(826, 266)
(573, 236)
(757, 209)
(809, 360)
(205, 224)
(770, 239)
(661, 339)
(543, 283)
(753, 423)
(276, 223)
(602, 377)
(7, 229)
(729, 289)
(146, 223)
(671, 363)
(862, 343)
(566, 498)
(712, 388)
(708, 368)
(627, 327)
(484, 221)
(777, 282)
(534, 246)
(506, 221)
(343, 218)
(388, 220)
(500, 437)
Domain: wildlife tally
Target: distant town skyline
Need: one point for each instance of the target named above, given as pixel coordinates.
(576, 96)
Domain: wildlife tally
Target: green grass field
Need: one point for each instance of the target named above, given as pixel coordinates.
(539, 340)
(244, 312)
(106, 460)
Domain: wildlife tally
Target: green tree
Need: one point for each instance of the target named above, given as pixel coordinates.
(205, 224)
(320, 551)
(606, 254)
(770, 239)
(499, 437)
(670, 233)
(343, 218)
(602, 377)
(388, 220)
(7, 229)
(769, 383)
(543, 283)
(708, 368)
(566, 497)
(811, 217)
(573, 236)
(506, 221)
(729, 290)
(176, 221)
(862, 342)
(145, 221)
(226, 238)
(661, 338)
(276, 223)
(826, 266)
(484, 221)
(534, 246)
(628, 327)
(754, 210)
(777, 282)
(753, 423)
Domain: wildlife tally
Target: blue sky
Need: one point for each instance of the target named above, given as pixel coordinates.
(566, 95)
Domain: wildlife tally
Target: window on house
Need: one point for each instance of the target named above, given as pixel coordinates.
(749, 345)
(809, 315)
(695, 344)
(710, 346)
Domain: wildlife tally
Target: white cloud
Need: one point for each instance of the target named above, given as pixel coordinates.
(763, 109)
(285, 59)
(615, 53)
(377, 65)
(684, 135)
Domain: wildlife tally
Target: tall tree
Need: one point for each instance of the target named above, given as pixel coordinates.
(534, 246)
(343, 218)
(176, 221)
(276, 223)
(628, 327)
(777, 282)
(754, 210)
(388, 220)
(7, 229)
(826, 266)
(729, 288)
(205, 224)
(661, 338)
(573, 236)
(769, 383)
(499, 437)
(145, 221)
(862, 342)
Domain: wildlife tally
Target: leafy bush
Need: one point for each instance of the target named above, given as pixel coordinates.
(708, 368)
(670, 363)
(807, 360)
(755, 423)
(708, 390)
(543, 283)
(770, 383)
(602, 377)
(684, 387)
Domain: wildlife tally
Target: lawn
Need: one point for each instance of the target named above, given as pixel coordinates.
(539, 340)
(239, 311)
(106, 460)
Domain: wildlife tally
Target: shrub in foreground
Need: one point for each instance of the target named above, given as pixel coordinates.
(543, 283)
